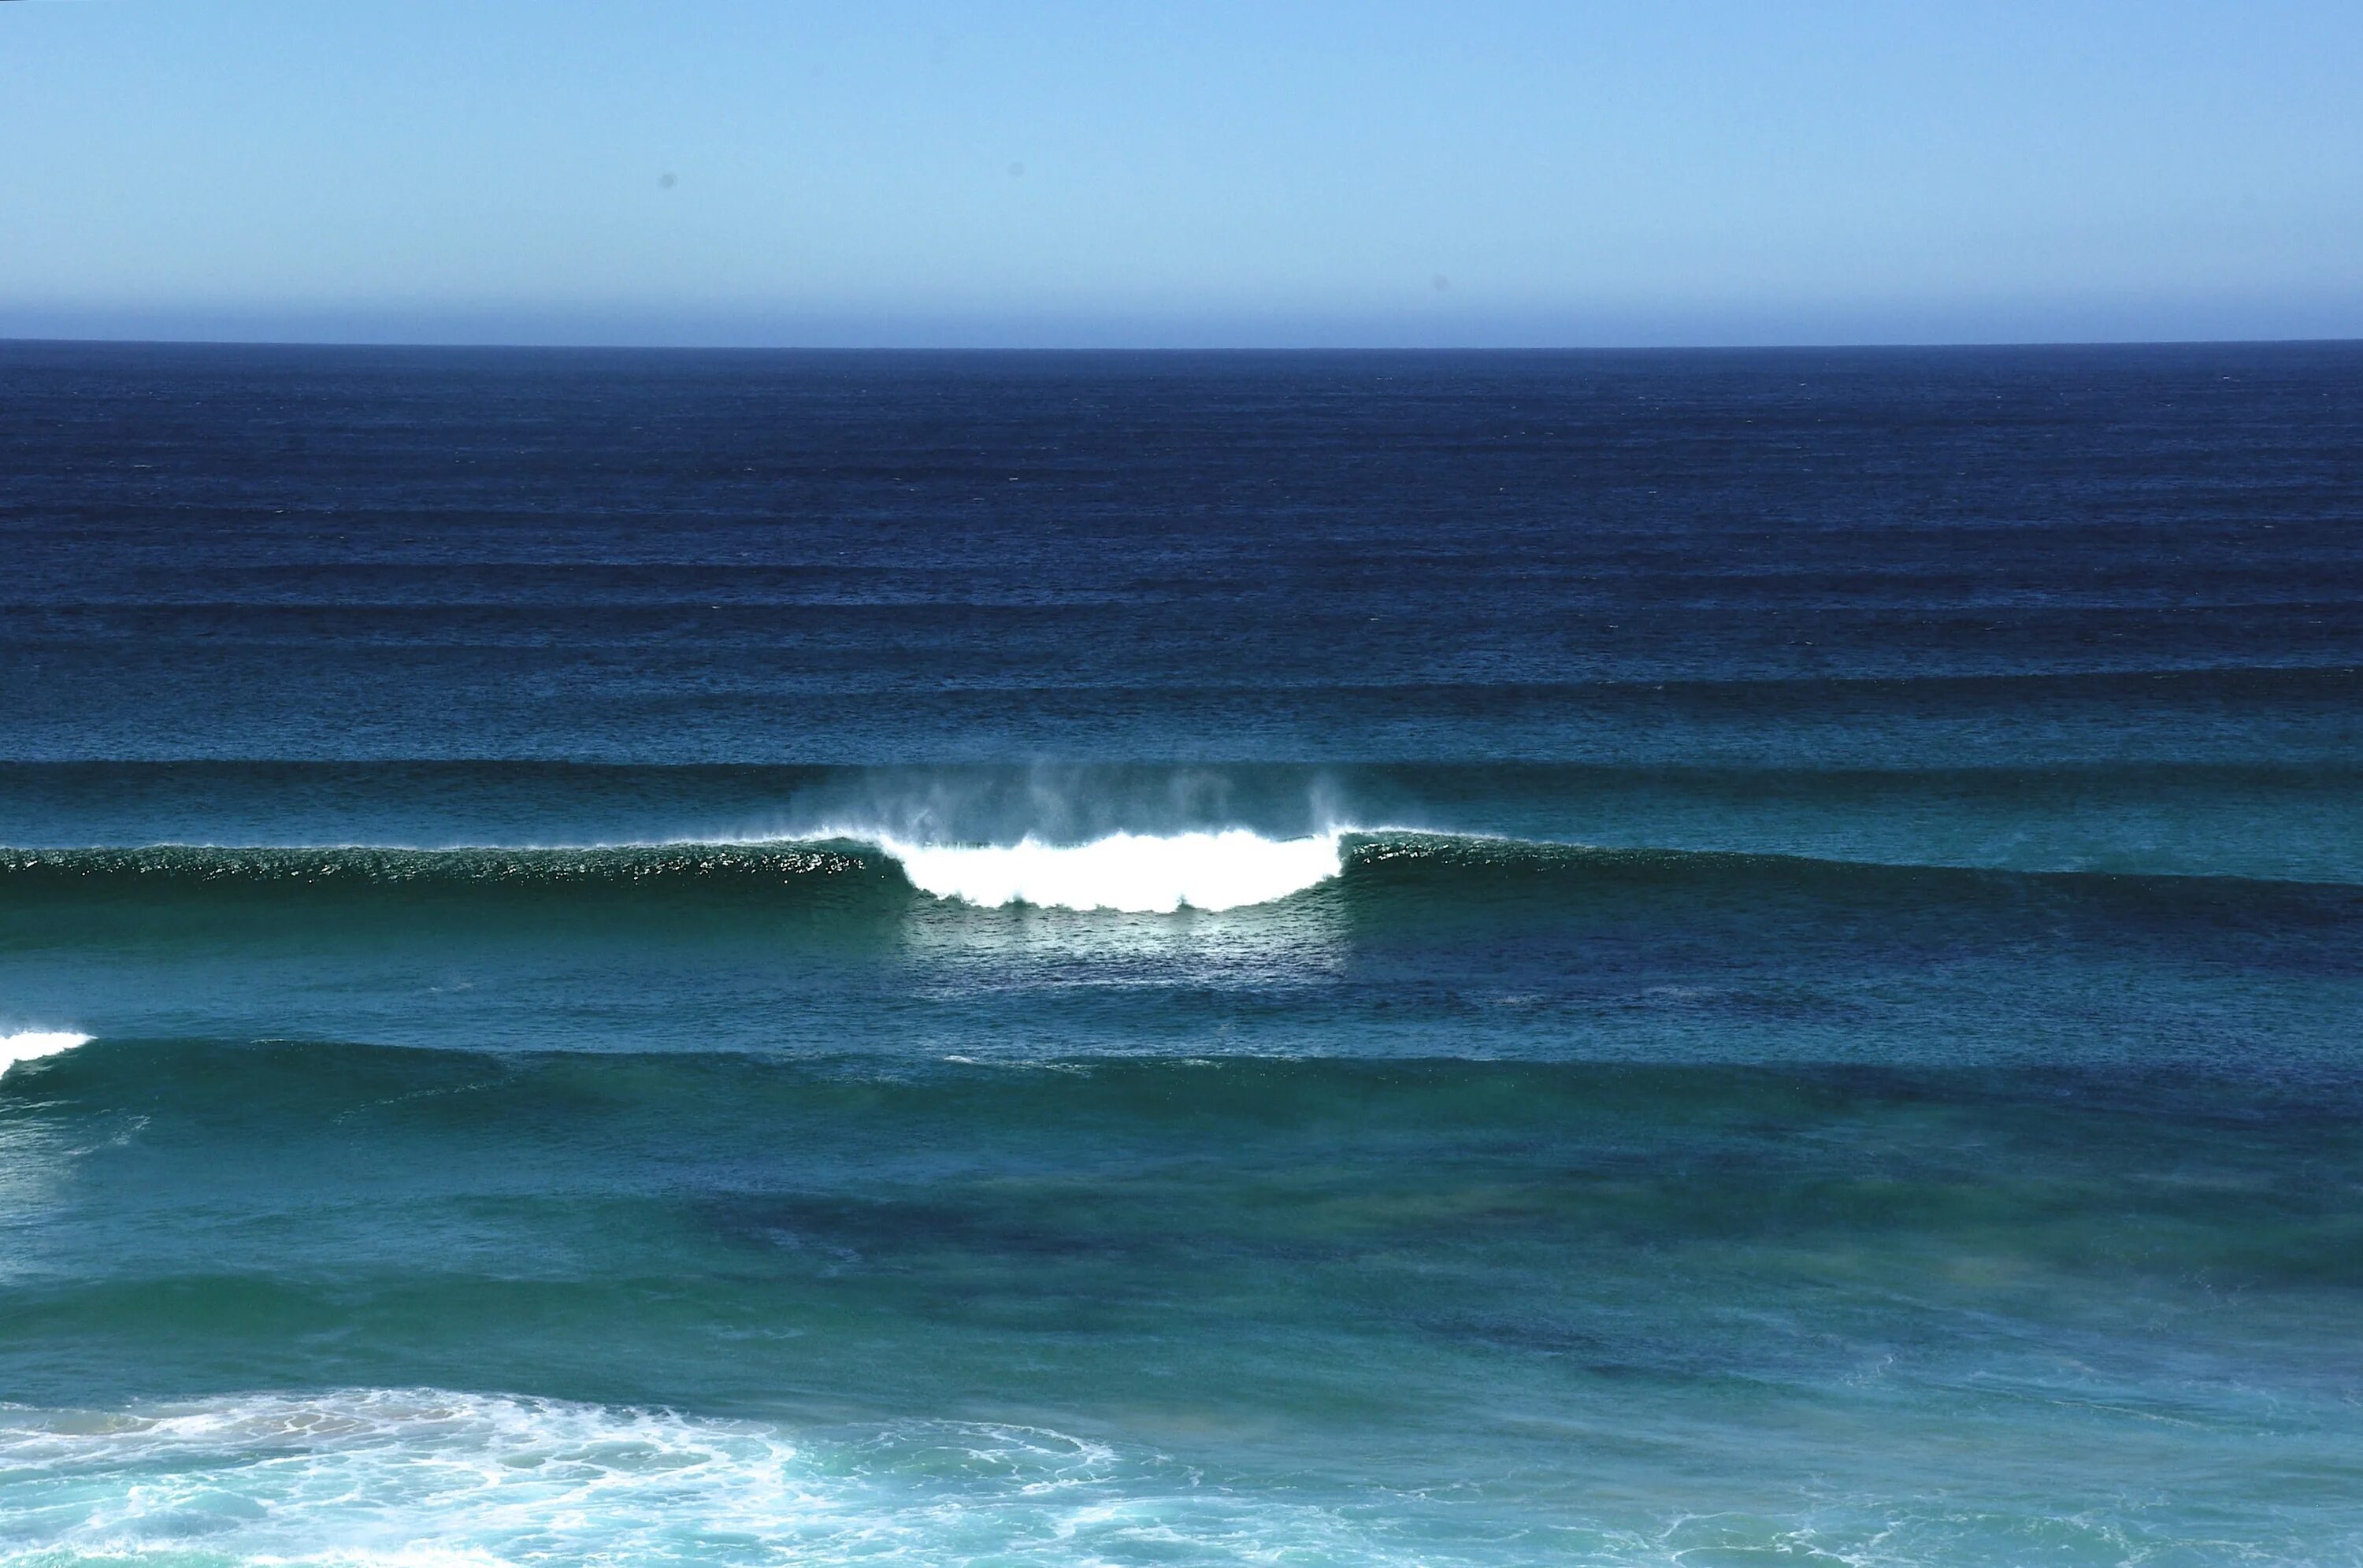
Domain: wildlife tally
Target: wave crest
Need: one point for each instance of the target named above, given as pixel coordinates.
(32, 1045)
(1135, 873)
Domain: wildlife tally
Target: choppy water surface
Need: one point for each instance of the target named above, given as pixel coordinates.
(1180, 959)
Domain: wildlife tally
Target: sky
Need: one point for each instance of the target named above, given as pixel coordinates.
(909, 173)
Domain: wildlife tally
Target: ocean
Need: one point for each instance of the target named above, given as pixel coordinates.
(1689, 959)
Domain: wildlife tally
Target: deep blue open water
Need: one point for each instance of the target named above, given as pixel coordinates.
(1679, 958)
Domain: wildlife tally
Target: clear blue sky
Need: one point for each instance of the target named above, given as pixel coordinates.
(1038, 172)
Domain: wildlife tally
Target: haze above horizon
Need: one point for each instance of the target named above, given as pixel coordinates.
(1047, 175)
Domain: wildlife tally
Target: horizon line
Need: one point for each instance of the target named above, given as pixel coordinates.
(13, 340)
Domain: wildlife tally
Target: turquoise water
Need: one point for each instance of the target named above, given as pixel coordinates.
(1185, 960)
(1178, 1309)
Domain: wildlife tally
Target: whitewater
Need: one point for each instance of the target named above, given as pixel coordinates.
(33, 1044)
(422, 1477)
(1136, 872)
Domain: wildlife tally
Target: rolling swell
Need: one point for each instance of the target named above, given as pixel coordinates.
(2269, 816)
(1421, 946)
(940, 1107)
(1124, 873)
(331, 868)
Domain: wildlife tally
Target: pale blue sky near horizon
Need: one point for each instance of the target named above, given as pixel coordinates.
(1038, 172)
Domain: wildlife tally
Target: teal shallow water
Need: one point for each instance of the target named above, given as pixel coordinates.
(1232, 1307)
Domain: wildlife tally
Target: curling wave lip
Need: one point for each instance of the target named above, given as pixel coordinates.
(32, 1045)
(1134, 873)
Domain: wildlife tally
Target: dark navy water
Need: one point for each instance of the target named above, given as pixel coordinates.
(1632, 958)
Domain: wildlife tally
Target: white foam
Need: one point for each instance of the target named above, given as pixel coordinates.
(424, 1478)
(1140, 873)
(32, 1045)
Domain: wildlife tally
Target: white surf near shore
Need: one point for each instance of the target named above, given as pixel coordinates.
(425, 1476)
(1135, 873)
(32, 1045)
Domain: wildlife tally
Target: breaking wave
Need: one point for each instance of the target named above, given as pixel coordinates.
(1123, 872)
(1138, 873)
(32, 1045)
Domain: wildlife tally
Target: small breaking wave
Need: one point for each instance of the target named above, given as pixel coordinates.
(32, 1045)
(1129, 872)
(877, 879)
(1134, 873)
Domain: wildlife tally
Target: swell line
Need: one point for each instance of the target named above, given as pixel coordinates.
(1135, 873)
